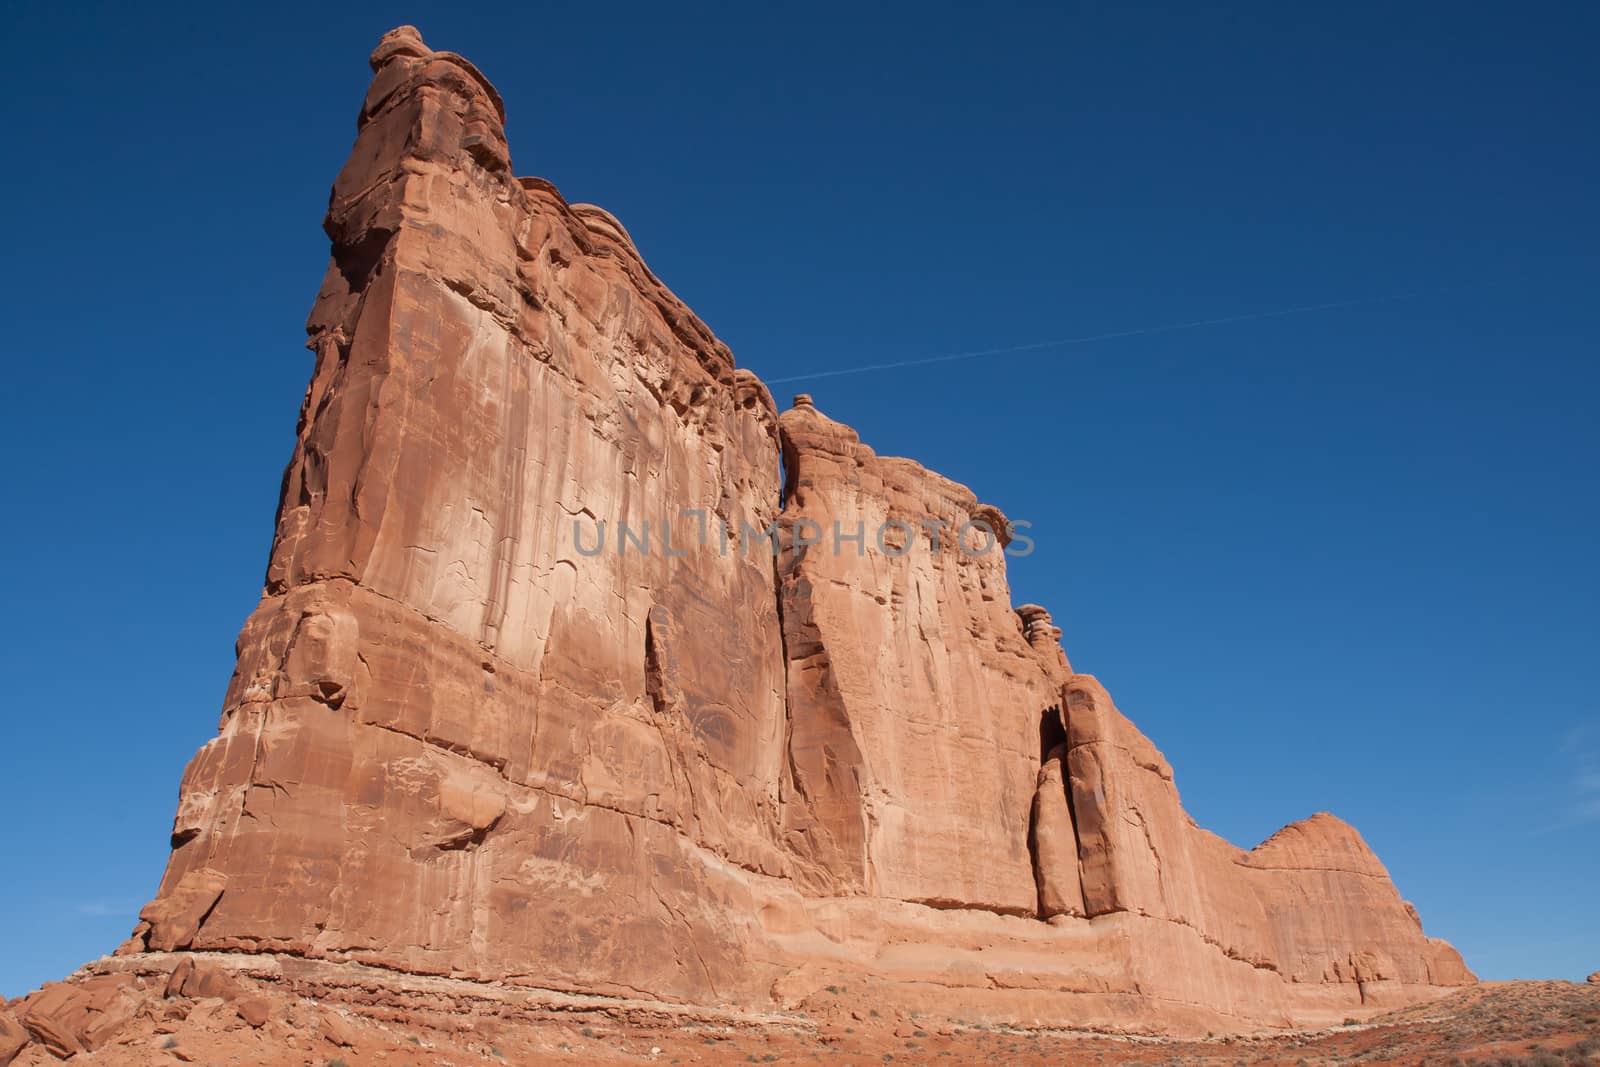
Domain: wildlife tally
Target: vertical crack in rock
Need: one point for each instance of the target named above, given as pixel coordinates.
(655, 683)
(789, 784)
(674, 729)
(829, 829)
(504, 561)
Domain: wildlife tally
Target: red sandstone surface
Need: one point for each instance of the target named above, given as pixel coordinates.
(237, 1009)
(472, 774)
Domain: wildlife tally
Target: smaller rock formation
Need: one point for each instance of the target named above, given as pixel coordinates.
(1041, 633)
(13, 1037)
(1055, 842)
(1594, 979)
(67, 1018)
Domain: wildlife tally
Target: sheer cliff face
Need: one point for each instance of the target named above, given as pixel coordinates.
(915, 700)
(459, 737)
(529, 695)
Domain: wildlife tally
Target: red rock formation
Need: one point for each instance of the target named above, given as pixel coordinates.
(462, 741)
(1311, 903)
(13, 1038)
(456, 741)
(915, 700)
(253, 1008)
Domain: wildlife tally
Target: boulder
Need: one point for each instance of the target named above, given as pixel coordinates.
(72, 1017)
(200, 980)
(174, 918)
(14, 1037)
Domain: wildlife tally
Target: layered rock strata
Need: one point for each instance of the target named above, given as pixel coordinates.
(568, 672)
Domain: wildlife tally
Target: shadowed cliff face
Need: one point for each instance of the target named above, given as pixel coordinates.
(530, 696)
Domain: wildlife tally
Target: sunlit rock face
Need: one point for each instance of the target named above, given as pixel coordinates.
(568, 671)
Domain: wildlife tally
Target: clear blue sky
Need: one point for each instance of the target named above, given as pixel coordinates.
(1341, 560)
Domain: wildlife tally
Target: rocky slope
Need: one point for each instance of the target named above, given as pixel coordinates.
(256, 1009)
(568, 674)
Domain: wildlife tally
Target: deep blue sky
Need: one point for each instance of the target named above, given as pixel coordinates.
(1341, 560)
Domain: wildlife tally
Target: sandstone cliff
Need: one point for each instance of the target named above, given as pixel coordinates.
(529, 696)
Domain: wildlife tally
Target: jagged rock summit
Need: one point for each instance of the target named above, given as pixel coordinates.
(530, 697)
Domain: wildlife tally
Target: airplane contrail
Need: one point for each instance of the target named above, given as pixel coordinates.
(1089, 338)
